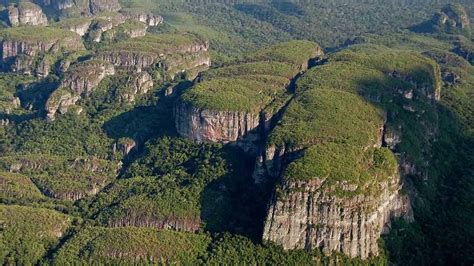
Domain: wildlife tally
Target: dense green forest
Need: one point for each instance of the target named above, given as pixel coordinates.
(100, 172)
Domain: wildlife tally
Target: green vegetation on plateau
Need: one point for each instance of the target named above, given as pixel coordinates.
(253, 68)
(253, 86)
(46, 34)
(155, 44)
(322, 115)
(294, 52)
(235, 94)
(335, 116)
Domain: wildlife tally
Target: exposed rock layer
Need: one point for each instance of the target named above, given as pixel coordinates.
(217, 126)
(26, 14)
(309, 217)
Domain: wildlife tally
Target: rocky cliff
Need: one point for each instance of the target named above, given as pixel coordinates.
(137, 84)
(35, 50)
(141, 15)
(239, 102)
(79, 26)
(33, 40)
(79, 81)
(144, 52)
(26, 14)
(79, 7)
(218, 126)
(336, 192)
(309, 217)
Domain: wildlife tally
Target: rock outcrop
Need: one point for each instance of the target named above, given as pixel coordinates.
(47, 42)
(148, 18)
(333, 211)
(85, 76)
(26, 14)
(138, 84)
(338, 191)
(78, 82)
(30, 65)
(310, 217)
(217, 126)
(76, 25)
(146, 51)
(80, 7)
(98, 6)
(453, 15)
(34, 50)
(239, 103)
(132, 219)
(452, 19)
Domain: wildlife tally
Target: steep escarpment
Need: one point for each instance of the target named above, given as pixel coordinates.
(70, 8)
(33, 40)
(230, 103)
(26, 14)
(79, 81)
(104, 26)
(338, 191)
(144, 52)
(34, 50)
(141, 15)
(137, 84)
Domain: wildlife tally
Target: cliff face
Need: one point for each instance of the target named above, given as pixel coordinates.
(31, 66)
(80, 7)
(138, 84)
(14, 47)
(80, 27)
(144, 59)
(217, 126)
(97, 6)
(26, 14)
(141, 15)
(309, 217)
(78, 82)
(132, 219)
(84, 77)
(36, 55)
(176, 64)
(336, 216)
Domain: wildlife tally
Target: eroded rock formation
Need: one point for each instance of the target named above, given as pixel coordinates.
(138, 84)
(80, 7)
(217, 126)
(26, 14)
(309, 217)
(148, 18)
(78, 82)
